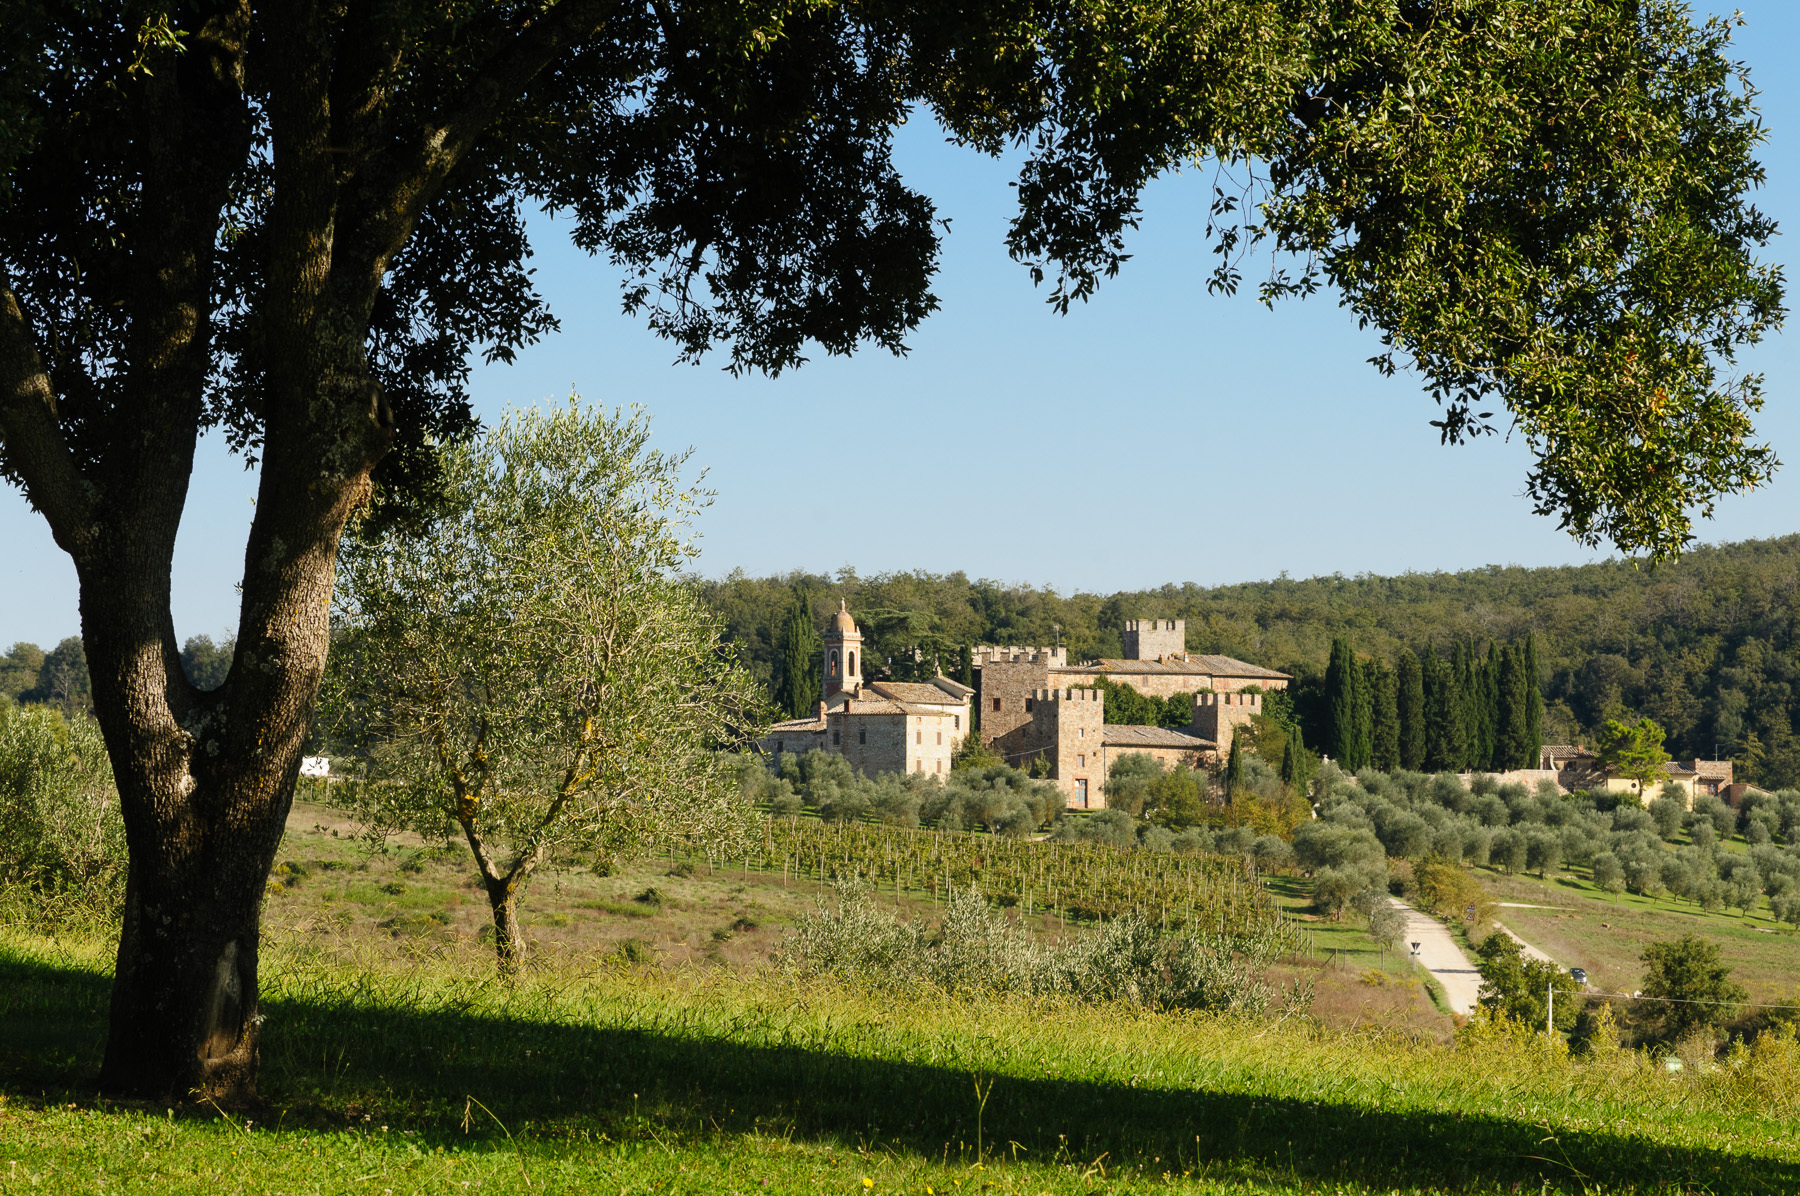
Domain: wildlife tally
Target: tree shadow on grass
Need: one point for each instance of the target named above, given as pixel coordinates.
(331, 1063)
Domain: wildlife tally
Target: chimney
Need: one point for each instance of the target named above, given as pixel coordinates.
(821, 715)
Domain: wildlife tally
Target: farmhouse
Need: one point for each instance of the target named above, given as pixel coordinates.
(1574, 767)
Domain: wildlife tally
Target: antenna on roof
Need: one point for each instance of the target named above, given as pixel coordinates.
(1057, 627)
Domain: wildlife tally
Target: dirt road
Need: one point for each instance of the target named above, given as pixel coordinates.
(1442, 958)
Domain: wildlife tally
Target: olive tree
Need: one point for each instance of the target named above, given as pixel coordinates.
(529, 672)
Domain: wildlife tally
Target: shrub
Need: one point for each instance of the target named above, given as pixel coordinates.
(1516, 988)
(1444, 889)
(977, 950)
(1695, 990)
(60, 831)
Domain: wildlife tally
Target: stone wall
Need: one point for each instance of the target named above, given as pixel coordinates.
(874, 743)
(1218, 715)
(1005, 686)
(1073, 723)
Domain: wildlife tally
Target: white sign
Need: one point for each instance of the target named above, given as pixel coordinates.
(315, 766)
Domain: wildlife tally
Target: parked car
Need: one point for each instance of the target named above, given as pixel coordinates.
(1578, 975)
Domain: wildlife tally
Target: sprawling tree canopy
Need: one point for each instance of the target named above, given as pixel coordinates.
(296, 221)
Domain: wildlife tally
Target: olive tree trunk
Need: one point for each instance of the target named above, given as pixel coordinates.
(206, 778)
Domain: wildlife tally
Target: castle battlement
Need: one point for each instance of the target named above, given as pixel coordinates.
(1207, 697)
(1154, 639)
(1067, 695)
(990, 654)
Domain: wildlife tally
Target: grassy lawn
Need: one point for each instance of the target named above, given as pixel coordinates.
(650, 1048)
(1605, 933)
(390, 1077)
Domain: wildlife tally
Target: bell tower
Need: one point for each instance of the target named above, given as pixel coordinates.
(843, 655)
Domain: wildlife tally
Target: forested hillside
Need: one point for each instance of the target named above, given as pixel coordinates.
(1708, 646)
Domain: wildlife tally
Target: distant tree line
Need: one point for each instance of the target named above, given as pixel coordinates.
(1466, 712)
(1707, 646)
(59, 677)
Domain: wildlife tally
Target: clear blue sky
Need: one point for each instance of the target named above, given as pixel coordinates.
(1156, 435)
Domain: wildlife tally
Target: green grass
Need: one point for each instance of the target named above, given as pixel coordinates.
(1606, 933)
(635, 1080)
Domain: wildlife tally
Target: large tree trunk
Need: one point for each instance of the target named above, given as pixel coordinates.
(206, 779)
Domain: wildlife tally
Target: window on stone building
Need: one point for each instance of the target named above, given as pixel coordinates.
(1081, 791)
(958, 719)
(852, 659)
(940, 766)
(996, 705)
(1080, 760)
(919, 737)
(940, 738)
(837, 737)
(834, 663)
(1027, 705)
(862, 737)
(781, 745)
(1081, 732)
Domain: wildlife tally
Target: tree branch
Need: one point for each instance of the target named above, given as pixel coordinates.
(32, 448)
(398, 190)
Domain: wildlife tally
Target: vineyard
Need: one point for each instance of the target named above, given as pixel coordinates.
(1076, 882)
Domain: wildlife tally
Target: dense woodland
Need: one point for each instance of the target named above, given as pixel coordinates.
(1706, 646)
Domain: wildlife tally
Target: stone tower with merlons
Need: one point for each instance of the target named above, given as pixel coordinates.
(843, 655)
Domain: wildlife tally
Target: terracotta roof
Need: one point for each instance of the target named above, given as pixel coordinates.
(914, 691)
(1713, 768)
(797, 726)
(844, 623)
(1119, 735)
(1677, 767)
(863, 705)
(1198, 665)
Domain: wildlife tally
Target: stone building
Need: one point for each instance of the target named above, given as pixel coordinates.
(1574, 767)
(1036, 707)
(880, 726)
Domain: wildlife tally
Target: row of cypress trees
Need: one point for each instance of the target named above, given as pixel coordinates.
(1458, 713)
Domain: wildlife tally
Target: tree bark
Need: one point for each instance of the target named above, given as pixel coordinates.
(509, 941)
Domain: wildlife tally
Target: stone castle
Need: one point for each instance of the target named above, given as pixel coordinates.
(1036, 709)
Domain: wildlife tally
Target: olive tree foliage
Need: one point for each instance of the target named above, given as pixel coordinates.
(529, 672)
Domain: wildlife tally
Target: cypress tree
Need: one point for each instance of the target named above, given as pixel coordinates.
(1447, 740)
(1384, 736)
(1468, 687)
(800, 685)
(965, 666)
(1534, 698)
(1364, 705)
(1513, 749)
(1340, 716)
(1409, 707)
(1296, 763)
(1234, 770)
(1488, 695)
